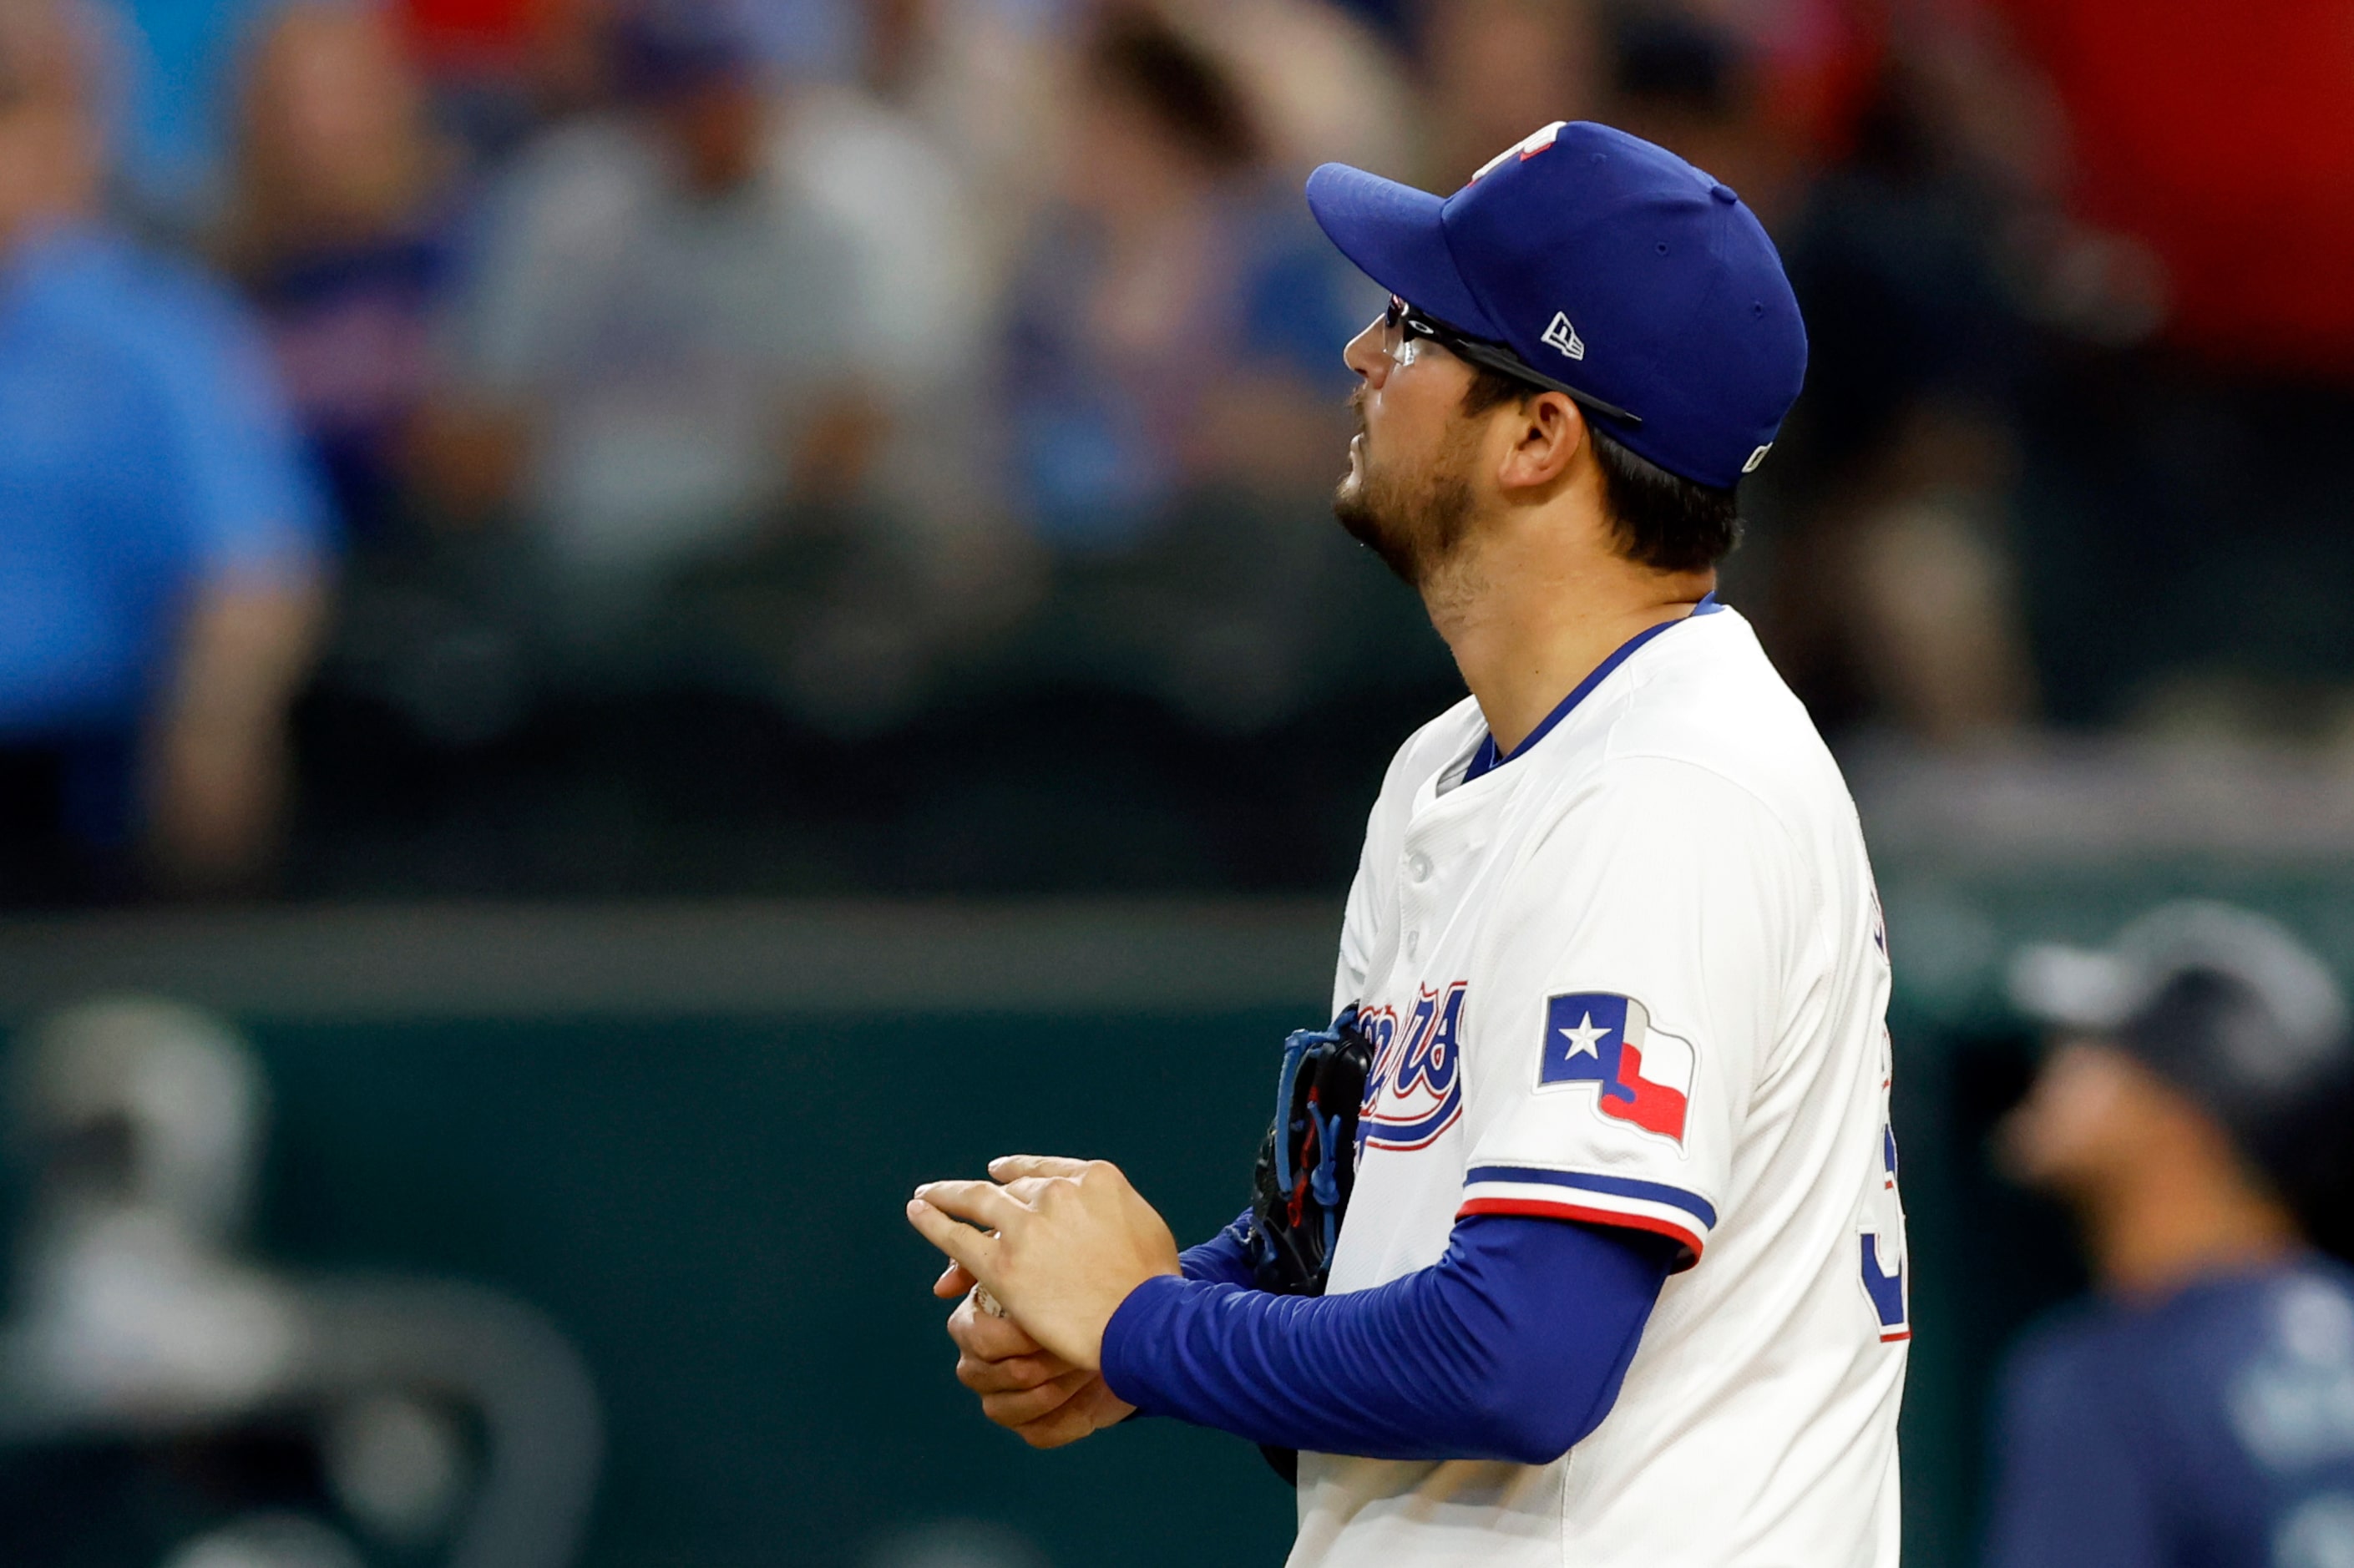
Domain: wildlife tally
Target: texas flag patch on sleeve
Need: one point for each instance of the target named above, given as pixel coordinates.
(1641, 1077)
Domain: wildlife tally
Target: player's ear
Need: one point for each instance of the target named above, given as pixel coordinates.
(1548, 431)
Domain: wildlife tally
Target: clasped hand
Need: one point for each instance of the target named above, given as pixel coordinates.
(1060, 1243)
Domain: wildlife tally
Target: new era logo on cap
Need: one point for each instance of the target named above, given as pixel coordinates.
(1564, 336)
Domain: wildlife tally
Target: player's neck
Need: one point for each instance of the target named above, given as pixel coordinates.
(1527, 621)
(2150, 1237)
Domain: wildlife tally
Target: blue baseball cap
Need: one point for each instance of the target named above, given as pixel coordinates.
(1607, 265)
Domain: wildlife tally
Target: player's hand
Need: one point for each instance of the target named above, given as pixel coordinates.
(1061, 1254)
(956, 1280)
(1025, 1387)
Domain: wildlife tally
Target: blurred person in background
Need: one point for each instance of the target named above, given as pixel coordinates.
(494, 67)
(1170, 384)
(2192, 1112)
(655, 356)
(1491, 69)
(2191, 257)
(904, 193)
(1172, 326)
(985, 82)
(1326, 84)
(1884, 557)
(172, 115)
(935, 557)
(2084, 339)
(338, 227)
(1696, 88)
(163, 545)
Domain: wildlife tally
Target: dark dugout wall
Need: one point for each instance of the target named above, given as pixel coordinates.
(687, 1133)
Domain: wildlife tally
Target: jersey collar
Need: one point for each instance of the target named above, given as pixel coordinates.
(1486, 760)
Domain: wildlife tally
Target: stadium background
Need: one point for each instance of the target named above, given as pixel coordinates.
(651, 867)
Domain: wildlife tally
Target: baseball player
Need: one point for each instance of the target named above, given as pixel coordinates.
(1577, 1238)
(2192, 1112)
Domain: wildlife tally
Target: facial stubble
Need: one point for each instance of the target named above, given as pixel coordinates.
(1415, 523)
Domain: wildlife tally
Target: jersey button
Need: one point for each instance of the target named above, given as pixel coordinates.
(1418, 867)
(1413, 944)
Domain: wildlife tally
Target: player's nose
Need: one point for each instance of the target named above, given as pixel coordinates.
(1364, 354)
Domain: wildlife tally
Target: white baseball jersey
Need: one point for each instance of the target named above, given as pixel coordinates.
(1636, 975)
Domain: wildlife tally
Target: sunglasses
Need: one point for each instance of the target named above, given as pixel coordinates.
(1402, 321)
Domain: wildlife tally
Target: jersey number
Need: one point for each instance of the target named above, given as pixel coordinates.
(1882, 1244)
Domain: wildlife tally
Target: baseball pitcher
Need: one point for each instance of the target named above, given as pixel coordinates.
(1576, 1236)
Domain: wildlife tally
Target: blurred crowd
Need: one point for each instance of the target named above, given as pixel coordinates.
(556, 446)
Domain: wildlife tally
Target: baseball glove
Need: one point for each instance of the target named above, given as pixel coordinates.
(1307, 1167)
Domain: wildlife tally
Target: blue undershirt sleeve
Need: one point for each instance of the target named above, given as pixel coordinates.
(1225, 1258)
(1511, 1347)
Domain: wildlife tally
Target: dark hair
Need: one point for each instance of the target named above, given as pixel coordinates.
(1187, 92)
(1664, 522)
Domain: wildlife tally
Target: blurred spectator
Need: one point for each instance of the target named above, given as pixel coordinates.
(1328, 88)
(933, 559)
(178, 61)
(2080, 340)
(337, 229)
(1497, 69)
(657, 354)
(900, 192)
(462, 37)
(491, 64)
(162, 543)
(985, 84)
(2183, 452)
(1694, 88)
(1177, 327)
(1893, 593)
(1176, 401)
(1813, 61)
(2191, 1112)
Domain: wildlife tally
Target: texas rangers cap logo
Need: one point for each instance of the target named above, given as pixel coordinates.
(1643, 1077)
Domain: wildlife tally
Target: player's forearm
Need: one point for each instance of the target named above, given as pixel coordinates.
(1225, 1258)
(1511, 1348)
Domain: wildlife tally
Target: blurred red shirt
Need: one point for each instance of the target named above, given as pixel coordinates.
(2222, 137)
(462, 35)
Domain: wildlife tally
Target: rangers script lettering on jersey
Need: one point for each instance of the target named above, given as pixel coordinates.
(1636, 976)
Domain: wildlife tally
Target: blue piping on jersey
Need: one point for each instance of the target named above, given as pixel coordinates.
(1485, 760)
(1691, 1203)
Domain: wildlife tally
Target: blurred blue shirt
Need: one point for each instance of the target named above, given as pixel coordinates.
(1099, 436)
(2213, 1429)
(352, 329)
(144, 450)
(177, 63)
